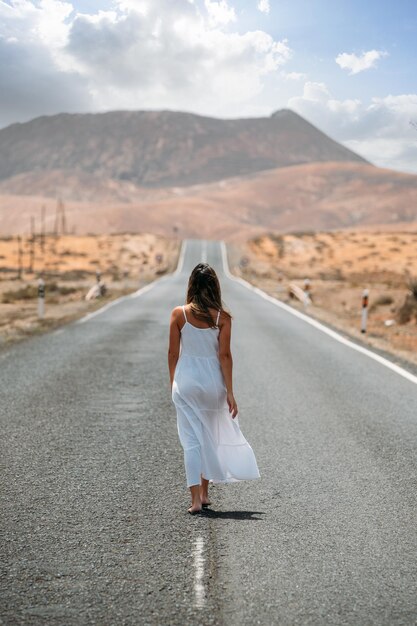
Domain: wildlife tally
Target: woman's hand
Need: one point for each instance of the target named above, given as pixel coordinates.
(232, 404)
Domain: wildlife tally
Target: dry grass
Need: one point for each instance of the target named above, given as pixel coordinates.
(68, 265)
(339, 266)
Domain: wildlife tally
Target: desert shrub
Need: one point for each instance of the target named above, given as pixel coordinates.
(408, 309)
(412, 285)
(65, 291)
(61, 290)
(28, 292)
(384, 299)
(76, 274)
(280, 244)
(302, 233)
(73, 253)
(381, 300)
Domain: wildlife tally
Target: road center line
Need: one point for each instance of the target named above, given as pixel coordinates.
(204, 252)
(372, 355)
(198, 562)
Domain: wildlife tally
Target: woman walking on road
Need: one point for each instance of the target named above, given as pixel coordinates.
(200, 367)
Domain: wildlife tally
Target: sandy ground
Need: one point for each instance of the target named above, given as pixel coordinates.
(69, 266)
(339, 266)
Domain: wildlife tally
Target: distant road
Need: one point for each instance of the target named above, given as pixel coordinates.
(93, 495)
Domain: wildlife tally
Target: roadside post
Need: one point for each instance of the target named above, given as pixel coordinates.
(307, 291)
(41, 298)
(364, 320)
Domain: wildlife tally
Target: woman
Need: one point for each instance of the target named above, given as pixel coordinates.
(200, 367)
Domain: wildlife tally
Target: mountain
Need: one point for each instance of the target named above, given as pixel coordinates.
(161, 148)
(178, 173)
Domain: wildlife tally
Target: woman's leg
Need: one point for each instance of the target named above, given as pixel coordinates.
(195, 499)
(204, 491)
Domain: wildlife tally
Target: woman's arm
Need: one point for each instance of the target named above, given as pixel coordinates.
(174, 343)
(226, 363)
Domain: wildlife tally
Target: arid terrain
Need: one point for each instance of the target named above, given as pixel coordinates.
(255, 183)
(184, 175)
(69, 267)
(339, 266)
(316, 196)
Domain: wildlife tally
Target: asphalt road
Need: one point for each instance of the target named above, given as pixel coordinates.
(93, 497)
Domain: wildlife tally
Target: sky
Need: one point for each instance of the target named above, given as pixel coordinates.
(347, 66)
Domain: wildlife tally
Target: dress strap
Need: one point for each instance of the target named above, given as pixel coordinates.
(183, 310)
(218, 317)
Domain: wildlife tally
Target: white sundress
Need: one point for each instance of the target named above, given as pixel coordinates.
(213, 443)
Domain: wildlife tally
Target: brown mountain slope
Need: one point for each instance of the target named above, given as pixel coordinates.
(163, 148)
(316, 196)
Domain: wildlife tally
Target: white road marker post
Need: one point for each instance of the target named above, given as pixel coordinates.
(364, 319)
(307, 292)
(41, 298)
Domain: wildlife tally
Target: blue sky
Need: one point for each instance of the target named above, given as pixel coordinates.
(347, 66)
(319, 30)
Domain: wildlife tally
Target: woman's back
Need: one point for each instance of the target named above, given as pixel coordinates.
(199, 342)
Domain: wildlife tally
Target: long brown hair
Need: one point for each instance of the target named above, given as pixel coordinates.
(204, 293)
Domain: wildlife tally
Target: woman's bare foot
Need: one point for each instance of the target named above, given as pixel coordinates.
(204, 492)
(196, 505)
(194, 509)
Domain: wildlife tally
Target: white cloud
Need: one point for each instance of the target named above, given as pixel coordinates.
(264, 6)
(220, 13)
(380, 130)
(141, 54)
(183, 55)
(293, 75)
(356, 64)
(31, 78)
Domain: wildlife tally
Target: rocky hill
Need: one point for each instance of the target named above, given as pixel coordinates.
(161, 148)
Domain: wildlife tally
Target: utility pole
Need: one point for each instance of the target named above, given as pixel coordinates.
(32, 244)
(42, 237)
(19, 257)
(64, 219)
(60, 219)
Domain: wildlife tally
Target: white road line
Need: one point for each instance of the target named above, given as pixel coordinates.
(204, 252)
(372, 355)
(181, 258)
(198, 562)
(139, 292)
(104, 308)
